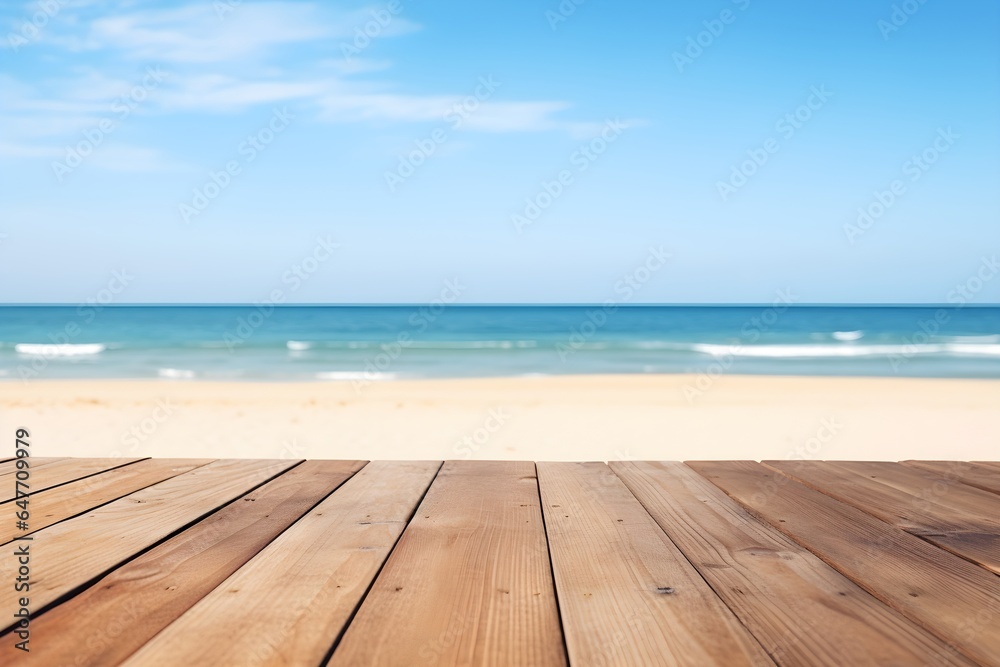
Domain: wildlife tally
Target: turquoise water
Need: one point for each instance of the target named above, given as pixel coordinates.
(323, 343)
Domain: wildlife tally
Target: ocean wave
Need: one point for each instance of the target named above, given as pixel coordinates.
(427, 344)
(175, 374)
(995, 338)
(298, 345)
(657, 345)
(470, 344)
(976, 349)
(809, 351)
(355, 375)
(59, 349)
(847, 335)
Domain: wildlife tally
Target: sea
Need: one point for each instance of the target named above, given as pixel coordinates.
(375, 343)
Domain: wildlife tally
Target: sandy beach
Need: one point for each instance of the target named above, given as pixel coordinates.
(546, 418)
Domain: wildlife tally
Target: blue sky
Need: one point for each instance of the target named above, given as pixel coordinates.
(532, 151)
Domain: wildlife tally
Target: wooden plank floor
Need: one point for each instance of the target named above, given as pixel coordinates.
(254, 562)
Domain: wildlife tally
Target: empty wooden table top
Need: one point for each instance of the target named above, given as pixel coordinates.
(287, 562)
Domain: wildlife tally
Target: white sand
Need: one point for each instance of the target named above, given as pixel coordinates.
(553, 418)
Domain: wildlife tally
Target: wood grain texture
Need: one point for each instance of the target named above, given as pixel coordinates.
(9, 466)
(979, 475)
(288, 605)
(626, 594)
(55, 473)
(89, 545)
(111, 619)
(469, 582)
(800, 609)
(947, 595)
(62, 502)
(947, 513)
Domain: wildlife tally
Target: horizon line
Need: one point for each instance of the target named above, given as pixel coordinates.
(582, 304)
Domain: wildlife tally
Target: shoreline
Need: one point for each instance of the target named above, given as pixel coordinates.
(564, 417)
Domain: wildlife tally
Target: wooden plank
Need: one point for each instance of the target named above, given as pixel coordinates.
(978, 475)
(87, 546)
(626, 594)
(947, 595)
(469, 582)
(9, 467)
(963, 520)
(288, 605)
(62, 502)
(111, 619)
(61, 472)
(799, 608)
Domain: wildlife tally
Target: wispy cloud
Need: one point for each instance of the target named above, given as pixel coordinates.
(251, 55)
(198, 34)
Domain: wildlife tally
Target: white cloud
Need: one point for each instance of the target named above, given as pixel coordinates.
(515, 117)
(123, 157)
(196, 33)
(256, 54)
(27, 151)
(214, 92)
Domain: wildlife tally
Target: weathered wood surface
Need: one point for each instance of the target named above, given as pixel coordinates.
(190, 562)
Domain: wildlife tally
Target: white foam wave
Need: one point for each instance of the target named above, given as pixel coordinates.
(59, 349)
(973, 339)
(175, 373)
(848, 335)
(470, 344)
(589, 346)
(354, 375)
(415, 344)
(974, 349)
(658, 345)
(834, 351)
